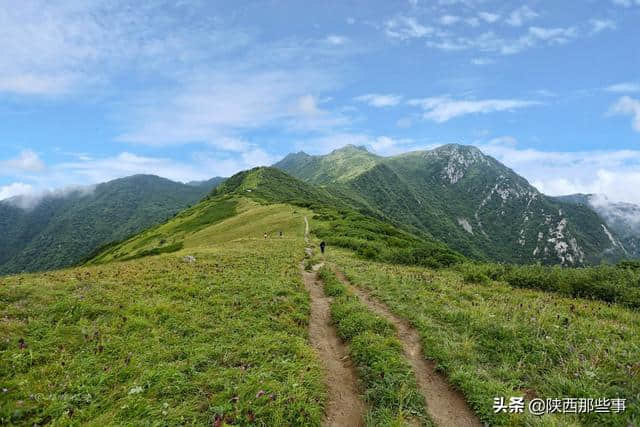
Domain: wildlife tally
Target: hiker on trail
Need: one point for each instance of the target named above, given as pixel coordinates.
(265, 235)
(280, 233)
(322, 245)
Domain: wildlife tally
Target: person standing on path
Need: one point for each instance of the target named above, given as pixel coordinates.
(322, 245)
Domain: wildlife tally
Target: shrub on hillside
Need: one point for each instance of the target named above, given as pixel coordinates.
(474, 273)
(606, 283)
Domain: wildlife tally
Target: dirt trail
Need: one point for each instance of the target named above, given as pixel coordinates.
(306, 230)
(344, 406)
(446, 406)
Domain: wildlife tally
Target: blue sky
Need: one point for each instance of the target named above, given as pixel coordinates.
(93, 90)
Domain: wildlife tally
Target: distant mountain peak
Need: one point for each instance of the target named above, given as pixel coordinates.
(298, 154)
(293, 158)
(339, 165)
(454, 146)
(350, 148)
(459, 159)
(460, 150)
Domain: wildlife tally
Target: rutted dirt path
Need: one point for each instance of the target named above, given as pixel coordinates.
(446, 406)
(344, 406)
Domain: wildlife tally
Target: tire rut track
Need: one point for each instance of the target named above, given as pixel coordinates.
(445, 405)
(344, 404)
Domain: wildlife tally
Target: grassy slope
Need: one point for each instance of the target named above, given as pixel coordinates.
(162, 341)
(178, 342)
(340, 224)
(494, 340)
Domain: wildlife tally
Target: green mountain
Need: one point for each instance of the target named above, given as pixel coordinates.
(224, 327)
(337, 166)
(464, 198)
(59, 230)
(336, 222)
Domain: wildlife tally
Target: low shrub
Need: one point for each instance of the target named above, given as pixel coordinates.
(156, 251)
(474, 273)
(615, 284)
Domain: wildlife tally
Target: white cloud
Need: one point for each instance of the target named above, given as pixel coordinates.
(614, 173)
(200, 166)
(404, 122)
(599, 25)
(553, 35)
(213, 107)
(60, 178)
(490, 42)
(15, 189)
(627, 87)
(546, 93)
(308, 105)
(336, 40)
(520, 16)
(473, 21)
(442, 109)
(125, 164)
(626, 3)
(380, 100)
(449, 19)
(55, 48)
(405, 28)
(482, 61)
(628, 106)
(27, 161)
(489, 17)
(388, 146)
(30, 197)
(34, 84)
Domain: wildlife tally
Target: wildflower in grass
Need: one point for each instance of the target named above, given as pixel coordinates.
(136, 390)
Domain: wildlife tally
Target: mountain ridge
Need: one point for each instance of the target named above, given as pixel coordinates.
(468, 200)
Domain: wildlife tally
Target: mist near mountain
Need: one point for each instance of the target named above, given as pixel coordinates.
(30, 201)
(622, 218)
(59, 228)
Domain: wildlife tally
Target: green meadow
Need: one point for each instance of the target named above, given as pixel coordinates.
(163, 341)
(493, 340)
(202, 320)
